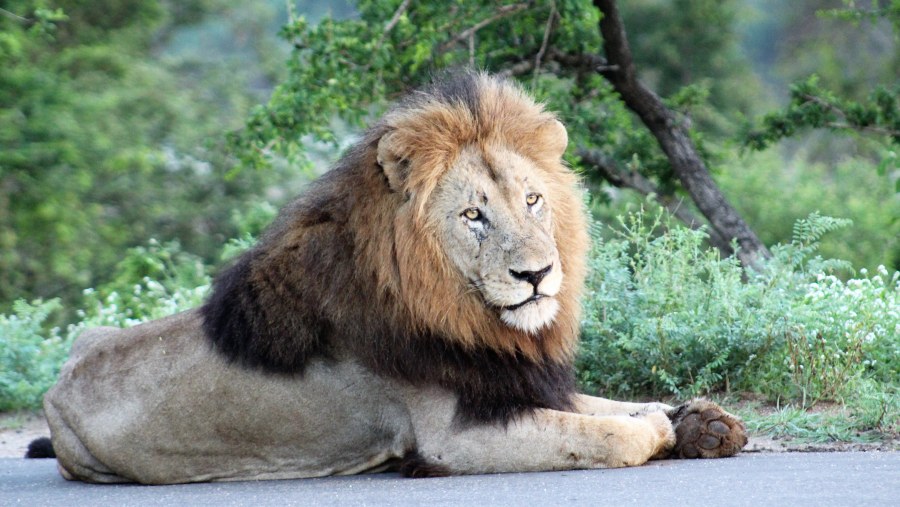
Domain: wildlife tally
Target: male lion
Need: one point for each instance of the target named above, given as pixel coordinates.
(415, 309)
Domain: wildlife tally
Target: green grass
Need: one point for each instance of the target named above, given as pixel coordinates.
(800, 425)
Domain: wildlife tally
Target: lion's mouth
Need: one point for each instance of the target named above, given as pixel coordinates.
(516, 306)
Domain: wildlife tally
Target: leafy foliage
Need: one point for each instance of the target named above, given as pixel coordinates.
(32, 351)
(813, 106)
(351, 68)
(667, 316)
(840, 88)
(877, 10)
(772, 193)
(104, 144)
(29, 359)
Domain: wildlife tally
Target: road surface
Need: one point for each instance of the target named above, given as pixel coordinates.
(790, 479)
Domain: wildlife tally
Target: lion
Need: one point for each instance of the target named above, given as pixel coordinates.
(416, 310)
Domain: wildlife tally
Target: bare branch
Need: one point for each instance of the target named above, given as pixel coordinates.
(595, 63)
(502, 12)
(517, 69)
(394, 20)
(547, 29)
(586, 63)
(16, 17)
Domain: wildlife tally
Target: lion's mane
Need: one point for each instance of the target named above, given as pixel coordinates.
(351, 271)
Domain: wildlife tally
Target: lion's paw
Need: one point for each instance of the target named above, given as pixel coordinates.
(704, 430)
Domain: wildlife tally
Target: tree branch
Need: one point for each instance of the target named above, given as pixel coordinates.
(384, 32)
(16, 17)
(872, 129)
(674, 140)
(616, 176)
(502, 12)
(517, 69)
(595, 63)
(547, 29)
(586, 63)
(845, 123)
(392, 23)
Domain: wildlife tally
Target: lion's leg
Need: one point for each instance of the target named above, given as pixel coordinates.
(592, 405)
(543, 440)
(74, 460)
(705, 430)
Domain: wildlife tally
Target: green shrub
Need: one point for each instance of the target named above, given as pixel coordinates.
(839, 331)
(30, 356)
(148, 283)
(665, 315)
(31, 352)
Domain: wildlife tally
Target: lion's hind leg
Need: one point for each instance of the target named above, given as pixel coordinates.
(74, 460)
(704, 430)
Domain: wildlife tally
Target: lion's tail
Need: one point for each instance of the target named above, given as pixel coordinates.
(40, 448)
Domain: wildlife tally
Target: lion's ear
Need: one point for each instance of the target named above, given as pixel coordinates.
(555, 137)
(395, 167)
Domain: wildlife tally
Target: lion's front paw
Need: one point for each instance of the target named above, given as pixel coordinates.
(704, 430)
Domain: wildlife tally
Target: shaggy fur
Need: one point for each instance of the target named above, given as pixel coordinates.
(351, 266)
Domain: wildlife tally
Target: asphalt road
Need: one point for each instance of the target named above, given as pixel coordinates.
(789, 479)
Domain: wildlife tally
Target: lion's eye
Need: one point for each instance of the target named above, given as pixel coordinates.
(532, 199)
(472, 213)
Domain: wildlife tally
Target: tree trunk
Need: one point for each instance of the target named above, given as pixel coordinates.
(674, 140)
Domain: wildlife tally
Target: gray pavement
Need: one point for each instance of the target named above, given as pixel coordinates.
(790, 479)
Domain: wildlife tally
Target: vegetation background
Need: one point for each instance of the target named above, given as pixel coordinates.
(144, 143)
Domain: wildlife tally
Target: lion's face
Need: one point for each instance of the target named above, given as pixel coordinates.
(493, 213)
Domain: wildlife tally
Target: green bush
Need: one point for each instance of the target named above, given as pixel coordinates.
(30, 356)
(665, 315)
(32, 352)
(150, 282)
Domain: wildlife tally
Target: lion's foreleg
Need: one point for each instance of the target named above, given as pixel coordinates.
(592, 405)
(543, 440)
(703, 429)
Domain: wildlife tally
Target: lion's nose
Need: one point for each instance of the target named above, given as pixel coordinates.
(532, 277)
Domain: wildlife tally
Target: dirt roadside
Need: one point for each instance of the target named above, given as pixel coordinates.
(18, 430)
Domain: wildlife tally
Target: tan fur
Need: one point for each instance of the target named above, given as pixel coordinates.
(427, 361)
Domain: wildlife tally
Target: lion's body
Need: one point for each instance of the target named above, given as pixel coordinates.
(155, 404)
(416, 307)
